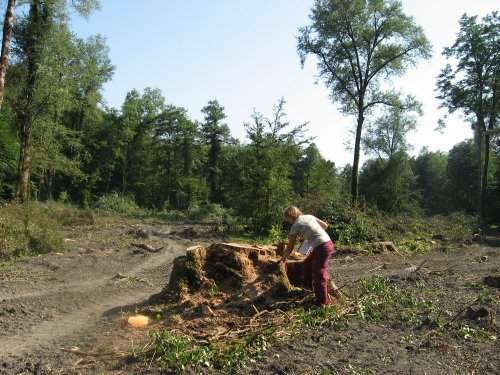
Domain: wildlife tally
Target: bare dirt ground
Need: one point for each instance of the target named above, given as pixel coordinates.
(55, 308)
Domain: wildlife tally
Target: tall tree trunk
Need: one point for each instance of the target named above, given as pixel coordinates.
(39, 22)
(355, 164)
(479, 158)
(26, 117)
(124, 170)
(7, 33)
(22, 188)
(484, 181)
(213, 168)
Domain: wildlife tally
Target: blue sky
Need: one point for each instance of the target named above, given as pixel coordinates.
(243, 53)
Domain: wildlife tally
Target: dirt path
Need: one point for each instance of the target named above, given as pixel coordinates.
(57, 300)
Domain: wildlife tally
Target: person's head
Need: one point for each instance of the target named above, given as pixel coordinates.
(291, 214)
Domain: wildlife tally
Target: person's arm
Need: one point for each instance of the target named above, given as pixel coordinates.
(289, 248)
(322, 224)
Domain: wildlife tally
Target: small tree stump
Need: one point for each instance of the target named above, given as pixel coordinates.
(381, 246)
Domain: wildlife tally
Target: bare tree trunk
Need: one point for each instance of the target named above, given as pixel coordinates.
(355, 164)
(26, 120)
(22, 188)
(125, 170)
(484, 181)
(479, 158)
(26, 112)
(7, 33)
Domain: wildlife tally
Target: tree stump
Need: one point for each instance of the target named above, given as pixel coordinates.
(231, 269)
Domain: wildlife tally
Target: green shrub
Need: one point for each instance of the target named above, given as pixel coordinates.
(172, 215)
(29, 229)
(12, 233)
(34, 228)
(348, 225)
(207, 212)
(44, 238)
(117, 204)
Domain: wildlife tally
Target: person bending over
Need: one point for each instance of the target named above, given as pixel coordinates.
(315, 266)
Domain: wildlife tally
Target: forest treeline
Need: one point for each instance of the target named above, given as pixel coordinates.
(59, 142)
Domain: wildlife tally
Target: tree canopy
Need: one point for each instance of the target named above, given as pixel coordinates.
(472, 86)
(358, 44)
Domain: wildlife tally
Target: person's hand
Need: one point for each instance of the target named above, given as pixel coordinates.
(282, 260)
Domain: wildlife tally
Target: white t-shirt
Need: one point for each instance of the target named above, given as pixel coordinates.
(309, 229)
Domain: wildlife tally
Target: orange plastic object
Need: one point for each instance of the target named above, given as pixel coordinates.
(138, 321)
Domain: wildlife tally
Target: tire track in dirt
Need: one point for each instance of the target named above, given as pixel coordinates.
(80, 304)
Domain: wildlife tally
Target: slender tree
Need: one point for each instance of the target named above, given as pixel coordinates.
(139, 114)
(30, 40)
(357, 44)
(216, 133)
(386, 136)
(7, 34)
(270, 156)
(473, 87)
(32, 37)
(177, 159)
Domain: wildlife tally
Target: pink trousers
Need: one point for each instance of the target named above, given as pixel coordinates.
(314, 272)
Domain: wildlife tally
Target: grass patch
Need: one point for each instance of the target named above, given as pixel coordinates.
(34, 228)
(178, 353)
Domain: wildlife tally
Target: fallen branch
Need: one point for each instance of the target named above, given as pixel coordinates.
(421, 264)
(149, 248)
(77, 351)
(258, 314)
(443, 271)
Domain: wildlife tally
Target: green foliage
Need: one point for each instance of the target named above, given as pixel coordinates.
(386, 136)
(471, 87)
(390, 184)
(34, 228)
(215, 134)
(82, 151)
(347, 225)
(180, 354)
(485, 297)
(316, 177)
(381, 300)
(13, 238)
(266, 166)
(176, 352)
(117, 204)
(8, 156)
(430, 170)
(276, 235)
(356, 43)
(320, 316)
(208, 212)
(461, 172)
(474, 334)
